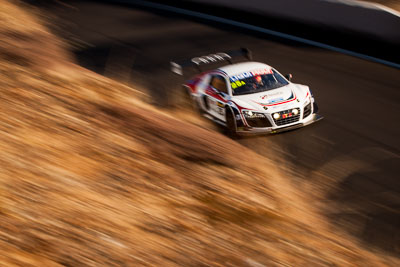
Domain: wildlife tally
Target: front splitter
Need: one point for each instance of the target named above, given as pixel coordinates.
(255, 131)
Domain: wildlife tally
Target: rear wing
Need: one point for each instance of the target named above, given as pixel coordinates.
(197, 62)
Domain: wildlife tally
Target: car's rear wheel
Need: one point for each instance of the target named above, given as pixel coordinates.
(185, 99)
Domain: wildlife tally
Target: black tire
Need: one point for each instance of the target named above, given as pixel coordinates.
(186, 93)
(230, 124)
(315, 107)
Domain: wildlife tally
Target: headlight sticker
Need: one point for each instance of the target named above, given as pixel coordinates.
(253, 115)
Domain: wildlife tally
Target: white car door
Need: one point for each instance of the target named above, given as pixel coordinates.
(216, 96)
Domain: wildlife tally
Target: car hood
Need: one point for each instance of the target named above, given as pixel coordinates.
(267, 99)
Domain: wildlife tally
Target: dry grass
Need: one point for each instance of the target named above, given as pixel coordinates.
(91, 175)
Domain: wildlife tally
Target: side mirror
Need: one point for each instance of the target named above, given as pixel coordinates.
(221, 94)
(289, 77)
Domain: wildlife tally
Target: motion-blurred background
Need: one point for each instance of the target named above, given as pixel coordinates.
(102, 164)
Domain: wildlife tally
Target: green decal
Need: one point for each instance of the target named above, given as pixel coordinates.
(237, 84)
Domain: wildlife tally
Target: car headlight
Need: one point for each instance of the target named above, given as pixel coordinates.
(248, 114)
(276, 116)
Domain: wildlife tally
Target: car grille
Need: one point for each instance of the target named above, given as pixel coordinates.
(283, 121)
(307, 111)
(258, 122)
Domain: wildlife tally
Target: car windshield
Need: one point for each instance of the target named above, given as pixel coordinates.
(256, 82)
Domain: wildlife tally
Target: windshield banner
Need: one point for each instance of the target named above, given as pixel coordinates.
(248, 74)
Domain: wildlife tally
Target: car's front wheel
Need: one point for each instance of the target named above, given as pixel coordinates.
(315, 107)
(230, 123)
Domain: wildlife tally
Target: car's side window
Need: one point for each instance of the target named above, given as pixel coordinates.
(219, 83)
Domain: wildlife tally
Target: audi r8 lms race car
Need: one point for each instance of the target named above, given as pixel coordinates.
(248, 97)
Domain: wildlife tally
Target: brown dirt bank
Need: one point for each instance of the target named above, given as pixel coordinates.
(91, 175)
(394, 4)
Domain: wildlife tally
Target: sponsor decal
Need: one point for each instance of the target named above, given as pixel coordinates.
(248, 74)
(241, 76)
(237, 84)
(262, 72)
(216, 106)
(270, 95)
(276, 100)
(287, 115)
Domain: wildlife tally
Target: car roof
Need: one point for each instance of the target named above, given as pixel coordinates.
(237, 68)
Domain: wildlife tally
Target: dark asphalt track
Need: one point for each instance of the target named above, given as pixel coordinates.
(356, 147)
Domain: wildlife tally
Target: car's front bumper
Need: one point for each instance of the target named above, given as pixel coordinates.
(271, 130)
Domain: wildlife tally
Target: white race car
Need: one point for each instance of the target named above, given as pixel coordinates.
(248, 97)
